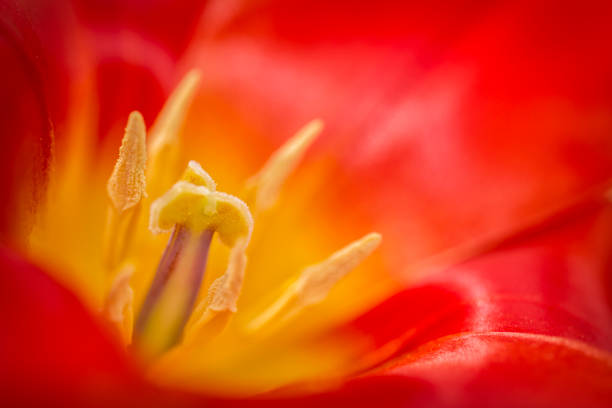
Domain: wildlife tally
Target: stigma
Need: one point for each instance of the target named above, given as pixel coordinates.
(193, 211)
(186, 204)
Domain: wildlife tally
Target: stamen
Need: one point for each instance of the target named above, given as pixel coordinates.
(164, 143)
(126, 189)
(315, 282)
(265, 186)
(126, 186)
(118, 308)
(194, 213)
(173, 113)
(222, 297)
(224, 291)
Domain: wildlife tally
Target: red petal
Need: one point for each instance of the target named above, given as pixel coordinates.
(475, 145)
(481, 370)
(528, 324)
(160, 21)
(25, 128)
(498, 369)
(453, 122)
(127, 50)
(555, 283)
(525, 324)
(50, 346)
(136, 45)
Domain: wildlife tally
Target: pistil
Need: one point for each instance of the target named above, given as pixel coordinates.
(193, 210)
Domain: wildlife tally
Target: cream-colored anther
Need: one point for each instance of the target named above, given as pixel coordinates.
(222, 296)
(126, 190)
(173, 113)
(315, 282)
(264, 187)
(126, 185)
(224, 291)
(119, 308)
(164, 146)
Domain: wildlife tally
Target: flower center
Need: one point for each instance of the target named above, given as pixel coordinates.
(146, 181)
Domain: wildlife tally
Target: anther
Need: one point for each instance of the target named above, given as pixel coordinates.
(315, 282)
(264, 187)
(222, 297)
(126, 189)
(164, 146)
(118, 307)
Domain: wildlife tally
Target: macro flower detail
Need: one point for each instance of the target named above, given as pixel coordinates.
(164, 243)
(192, 210)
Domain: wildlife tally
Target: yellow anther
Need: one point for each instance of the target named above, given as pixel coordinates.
(224, 291)
(265, 186)
(173, 113)
(198, 208)
(164, 143)
(118, 308)
(222, 296)
(126, 189)
(315, 282)
(195, 174)
(126, 186)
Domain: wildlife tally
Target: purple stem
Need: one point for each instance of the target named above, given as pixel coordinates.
(178, 242)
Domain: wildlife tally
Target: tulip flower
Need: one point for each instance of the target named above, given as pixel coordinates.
(277, 203)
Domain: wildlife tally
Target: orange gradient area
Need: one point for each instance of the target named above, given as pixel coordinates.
(305, 226)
